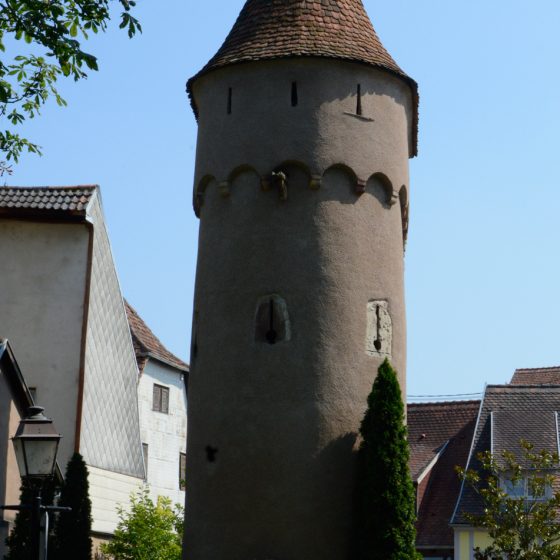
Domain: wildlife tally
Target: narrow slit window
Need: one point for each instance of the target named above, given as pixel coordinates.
(182, 471)
(272, 323)
(359, 100)
(229, 100)
(145, 452)
(294, 94)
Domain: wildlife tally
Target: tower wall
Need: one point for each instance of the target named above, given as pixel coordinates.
(273, 427)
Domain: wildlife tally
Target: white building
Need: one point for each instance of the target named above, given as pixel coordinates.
(162, 402)
(62, 310)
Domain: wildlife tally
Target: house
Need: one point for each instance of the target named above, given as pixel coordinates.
(445, 435)
(63, 312)
(162, 402)
(15, 400)
(440, 436)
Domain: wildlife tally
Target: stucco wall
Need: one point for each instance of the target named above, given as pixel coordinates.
(107, 490)
(9, 473)
(284, 418)
(42, 281)
(467, 539)
(165, 434)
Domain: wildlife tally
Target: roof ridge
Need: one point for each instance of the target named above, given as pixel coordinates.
(471, 402)
(538, 369)
(49, 187)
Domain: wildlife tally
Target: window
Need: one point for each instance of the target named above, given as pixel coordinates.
(161, 399)
(182, 471)
(272, 322)
(145, 454)
(523, 489)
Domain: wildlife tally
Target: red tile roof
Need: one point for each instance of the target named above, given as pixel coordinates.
(537, 376)
(147, 345)
(448, 428)
(37, 199)
(272, 29)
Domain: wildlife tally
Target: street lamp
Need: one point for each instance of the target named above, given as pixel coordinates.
(36, 446)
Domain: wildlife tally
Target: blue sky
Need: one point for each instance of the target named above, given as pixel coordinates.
(482, 267)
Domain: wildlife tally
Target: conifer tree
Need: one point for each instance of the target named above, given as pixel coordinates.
(385, 498)
(73, 529)
(19, 540)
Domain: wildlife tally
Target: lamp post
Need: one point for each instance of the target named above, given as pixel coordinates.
(36, 446)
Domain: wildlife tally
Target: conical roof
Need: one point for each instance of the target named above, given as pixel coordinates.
(271, 29)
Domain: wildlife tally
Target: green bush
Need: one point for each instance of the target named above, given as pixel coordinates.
(147, 530)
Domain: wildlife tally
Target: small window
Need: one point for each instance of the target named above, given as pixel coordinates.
(145, 454)
(294, 94)
(161, 399)
(272, 322)
(229, 101)
(182, 471)
(379, 339)
(359, 100)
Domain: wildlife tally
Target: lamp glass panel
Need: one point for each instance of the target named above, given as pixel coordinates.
(41, 455)
(20, 457)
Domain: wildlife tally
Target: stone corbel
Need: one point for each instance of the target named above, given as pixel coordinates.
(315, 182)
(224, 189)
(280, 181)
(360, 186)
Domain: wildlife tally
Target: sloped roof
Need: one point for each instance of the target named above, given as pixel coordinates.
(147, 345)
(537, 376)
(70, 200)
(273, 29)
(510, 413)
(448, 428)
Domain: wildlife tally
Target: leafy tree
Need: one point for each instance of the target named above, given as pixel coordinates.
(28, 78)
(72, 530)
(19, 540)
(147, 531)
(385, 498)
(524, 526)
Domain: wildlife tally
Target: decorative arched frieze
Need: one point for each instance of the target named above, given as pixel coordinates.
(389, 196)
(359, 184)
(200, 192)
(278, 180)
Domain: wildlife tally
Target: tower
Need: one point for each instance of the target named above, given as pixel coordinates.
(306, 125)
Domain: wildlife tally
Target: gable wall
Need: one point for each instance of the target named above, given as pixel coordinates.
(110, 431)
(42, 285)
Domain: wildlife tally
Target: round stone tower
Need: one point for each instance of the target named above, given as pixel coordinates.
(306, 125)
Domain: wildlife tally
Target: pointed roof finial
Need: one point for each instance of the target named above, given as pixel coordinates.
(272, 29)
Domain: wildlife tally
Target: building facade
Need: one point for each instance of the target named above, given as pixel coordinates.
(63, 312)
(162, 402)
(306, 125)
